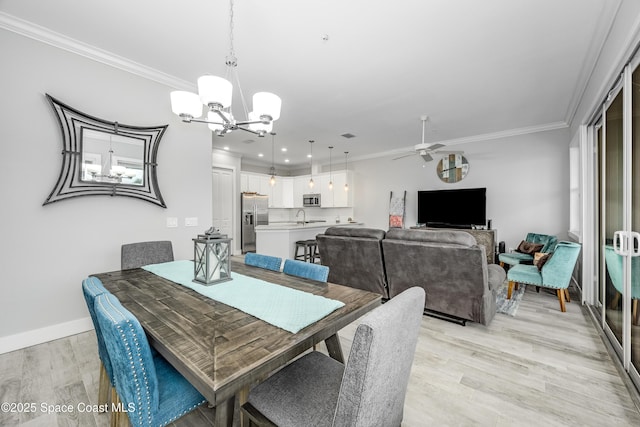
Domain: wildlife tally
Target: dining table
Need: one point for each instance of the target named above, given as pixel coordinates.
(221, 350)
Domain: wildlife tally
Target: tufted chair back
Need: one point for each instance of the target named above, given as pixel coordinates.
(133, 367)
(263, 261)
(91, 288)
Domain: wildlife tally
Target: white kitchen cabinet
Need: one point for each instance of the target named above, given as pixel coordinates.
(341, 198)
(322, 187)
(275, 193)
(244, 182)
(286, 191)
(300, 187)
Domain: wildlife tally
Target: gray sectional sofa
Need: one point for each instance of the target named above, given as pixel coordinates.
(449, 265)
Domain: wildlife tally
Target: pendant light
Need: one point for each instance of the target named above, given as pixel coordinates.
(330, 170)
(272, 180)
(346, 169)
(311, 183)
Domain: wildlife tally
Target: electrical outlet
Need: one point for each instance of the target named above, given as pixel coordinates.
(191, 222)
(172, 222)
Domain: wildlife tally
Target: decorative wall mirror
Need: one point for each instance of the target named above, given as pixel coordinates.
(452, 168)
(105, 158)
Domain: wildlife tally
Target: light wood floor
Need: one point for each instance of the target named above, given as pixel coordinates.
(541, 367)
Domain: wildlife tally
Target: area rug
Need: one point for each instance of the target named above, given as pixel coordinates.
(509, 306)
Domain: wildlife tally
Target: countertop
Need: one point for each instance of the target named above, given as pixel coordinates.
(295, 226)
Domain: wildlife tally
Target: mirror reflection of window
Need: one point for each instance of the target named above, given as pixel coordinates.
(112, 158)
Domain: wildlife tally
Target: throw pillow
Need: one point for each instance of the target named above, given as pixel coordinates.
(543, 260)
(529, 248)
(537, 256)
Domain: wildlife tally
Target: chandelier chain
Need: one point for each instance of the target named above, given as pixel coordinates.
(232, 52)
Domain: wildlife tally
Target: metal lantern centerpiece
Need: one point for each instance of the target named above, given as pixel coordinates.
(211, 258)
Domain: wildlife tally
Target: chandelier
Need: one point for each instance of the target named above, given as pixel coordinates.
(215, 93)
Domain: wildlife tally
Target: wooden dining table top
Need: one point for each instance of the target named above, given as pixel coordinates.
(220, 349)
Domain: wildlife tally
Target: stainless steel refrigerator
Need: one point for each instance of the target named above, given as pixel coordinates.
(255, 211)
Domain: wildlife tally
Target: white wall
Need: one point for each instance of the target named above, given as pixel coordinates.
(527, 181)
(46, 251)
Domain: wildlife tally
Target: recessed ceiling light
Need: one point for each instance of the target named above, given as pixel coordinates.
(286, 160)
(348, 135)
(283, 149)
(308, 156)
(260, 155)
(226, 148)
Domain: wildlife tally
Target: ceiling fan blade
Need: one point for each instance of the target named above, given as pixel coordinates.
(426, 157)
(402, 157)
(435, 146)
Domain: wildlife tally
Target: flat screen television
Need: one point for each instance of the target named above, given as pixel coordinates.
(463, 208)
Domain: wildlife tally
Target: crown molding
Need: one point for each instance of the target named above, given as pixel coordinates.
(475, 138)
(60, 41)
(594, 53)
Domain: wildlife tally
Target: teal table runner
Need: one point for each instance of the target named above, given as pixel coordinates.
(286, 308)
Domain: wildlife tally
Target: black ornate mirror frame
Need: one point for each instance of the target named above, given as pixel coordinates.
(70, 184)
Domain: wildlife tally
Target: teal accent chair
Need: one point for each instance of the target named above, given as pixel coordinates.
(151, 391)
(91, 288)
(263, 261)
(555, 274)
(614, 268)
(306, 269)
(316, 390)
(515, 258)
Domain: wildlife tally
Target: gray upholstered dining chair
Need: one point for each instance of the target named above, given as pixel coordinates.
(134, 255)
(91, 288)
(263, 261)
(146, 385)
(306, 269)
(369, 390)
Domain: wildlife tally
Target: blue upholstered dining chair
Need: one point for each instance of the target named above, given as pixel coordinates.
(515, 258)
(153, 392)
(91, 288)
(614, 268)
(307, 270)
(555, 273)
(134, 255)
(263, 261)
(369, 390)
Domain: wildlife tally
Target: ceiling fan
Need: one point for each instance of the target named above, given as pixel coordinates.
(425, 150)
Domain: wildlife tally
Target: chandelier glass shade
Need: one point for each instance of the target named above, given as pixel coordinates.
(216, 94)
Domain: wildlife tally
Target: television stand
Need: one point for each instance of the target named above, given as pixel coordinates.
(486, 238)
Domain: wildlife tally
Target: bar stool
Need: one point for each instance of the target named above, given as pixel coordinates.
(309, 248)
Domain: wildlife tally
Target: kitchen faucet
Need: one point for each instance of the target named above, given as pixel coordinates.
(304, 216)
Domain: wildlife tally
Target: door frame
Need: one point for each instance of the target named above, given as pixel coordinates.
(234, 205)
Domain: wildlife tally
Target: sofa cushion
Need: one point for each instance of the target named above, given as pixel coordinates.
(452, 237)
(354, 257)
(373, 233)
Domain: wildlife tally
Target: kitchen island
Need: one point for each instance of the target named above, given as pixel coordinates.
(279, 239)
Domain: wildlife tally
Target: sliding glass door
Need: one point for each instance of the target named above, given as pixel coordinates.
(633, 261)
(616, 135)
(610, 154)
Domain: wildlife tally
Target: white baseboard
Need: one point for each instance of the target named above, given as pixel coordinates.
(42, 335)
